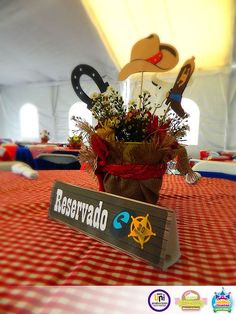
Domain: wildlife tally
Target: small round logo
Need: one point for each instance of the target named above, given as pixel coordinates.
(121, 224)
(121, 219)
(159, 300)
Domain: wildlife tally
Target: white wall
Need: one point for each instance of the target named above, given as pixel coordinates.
(13, 98)
(217, 104)
(210, 92)
(53, 103)
(231, 129)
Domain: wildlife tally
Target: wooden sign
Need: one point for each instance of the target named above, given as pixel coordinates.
(139, 229)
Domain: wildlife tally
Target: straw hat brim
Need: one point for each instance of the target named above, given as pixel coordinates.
(168, 62)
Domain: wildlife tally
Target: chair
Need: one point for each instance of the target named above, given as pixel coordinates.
(216, 169)
(66, 152)
(56, 162)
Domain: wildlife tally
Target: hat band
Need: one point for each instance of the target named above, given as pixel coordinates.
(155, 58)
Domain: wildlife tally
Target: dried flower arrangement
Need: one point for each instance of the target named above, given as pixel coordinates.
(132, 142)
(44, 136)
(137, 124)
(76, 140)
(129, 148)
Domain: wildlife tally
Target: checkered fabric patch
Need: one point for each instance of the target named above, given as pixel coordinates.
(36, 251)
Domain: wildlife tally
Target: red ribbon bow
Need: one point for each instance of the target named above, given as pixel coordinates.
(155, 58)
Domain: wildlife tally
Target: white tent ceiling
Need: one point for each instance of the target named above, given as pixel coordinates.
(42, 41)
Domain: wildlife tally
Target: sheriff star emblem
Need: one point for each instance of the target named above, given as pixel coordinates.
(141, 230)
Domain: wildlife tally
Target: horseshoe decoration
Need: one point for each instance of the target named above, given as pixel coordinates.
(84, 69)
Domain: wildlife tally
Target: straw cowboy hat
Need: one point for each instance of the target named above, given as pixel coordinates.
(149, 55)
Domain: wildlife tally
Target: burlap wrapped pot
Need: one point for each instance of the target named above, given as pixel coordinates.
(144, 165)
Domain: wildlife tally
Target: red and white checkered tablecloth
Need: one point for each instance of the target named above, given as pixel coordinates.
(36, 251)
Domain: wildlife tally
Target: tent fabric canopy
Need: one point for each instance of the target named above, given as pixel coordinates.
(43, 41)
(188, 25)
